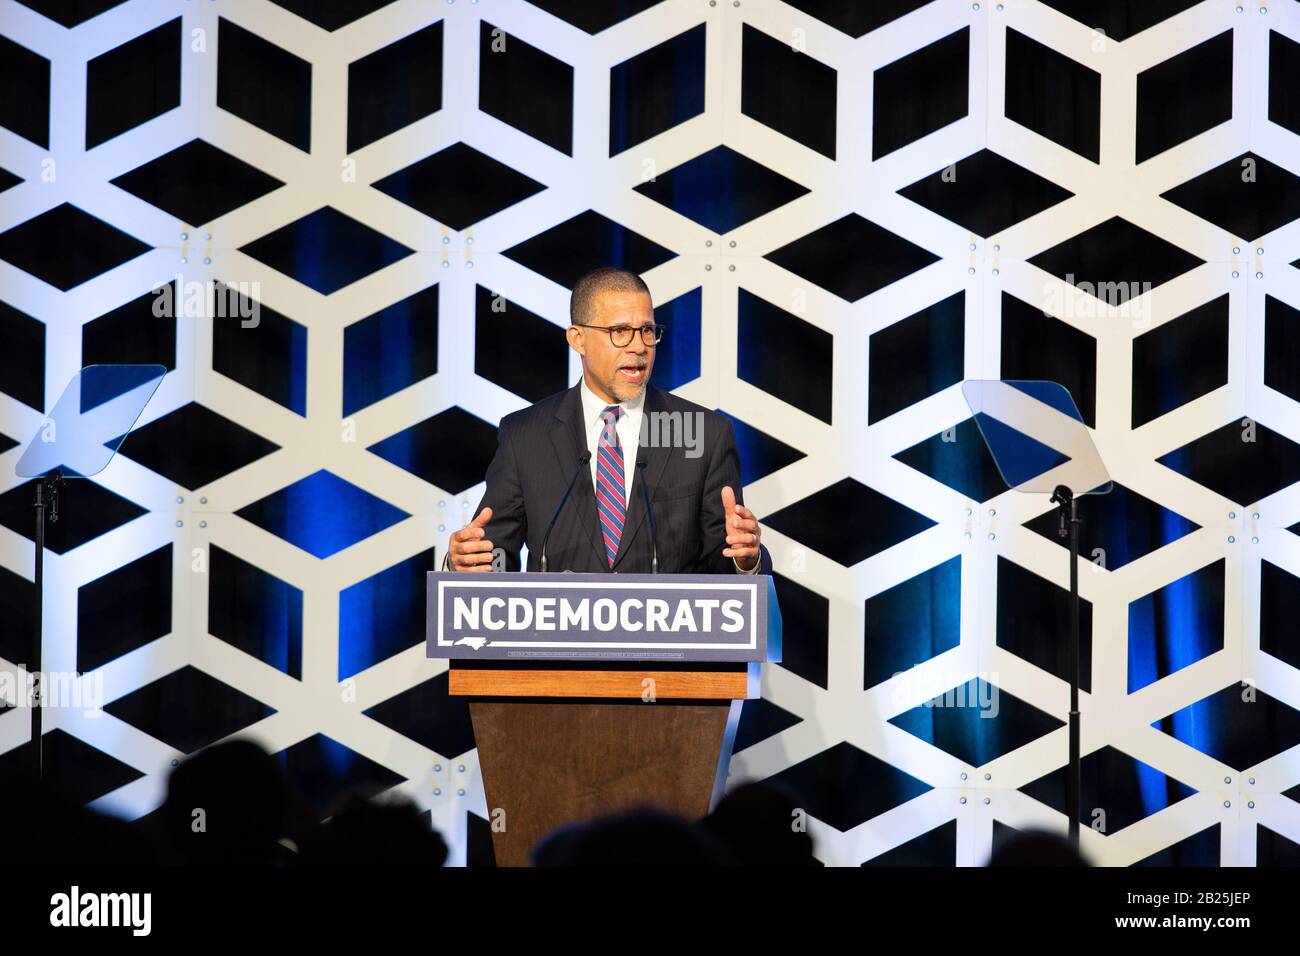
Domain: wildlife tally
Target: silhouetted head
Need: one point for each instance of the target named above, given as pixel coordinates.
(225, 805)
(1036, 848)
(47, 827)
(640, 837)
(762, 824)
(381, 832)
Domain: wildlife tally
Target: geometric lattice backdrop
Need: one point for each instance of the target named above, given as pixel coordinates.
(842, 210)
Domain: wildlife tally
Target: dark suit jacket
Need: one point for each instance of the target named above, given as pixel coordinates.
(538, 450)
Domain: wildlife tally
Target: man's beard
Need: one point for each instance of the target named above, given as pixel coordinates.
(627, 391)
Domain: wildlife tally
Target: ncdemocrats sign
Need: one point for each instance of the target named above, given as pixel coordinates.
(566, 616)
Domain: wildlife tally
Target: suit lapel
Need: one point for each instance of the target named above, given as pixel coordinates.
(656, 459)
(568, 436)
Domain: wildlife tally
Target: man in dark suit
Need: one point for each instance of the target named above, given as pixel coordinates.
(612, 440)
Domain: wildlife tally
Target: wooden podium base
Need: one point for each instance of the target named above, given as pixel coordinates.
(598, 715)
(552, 761)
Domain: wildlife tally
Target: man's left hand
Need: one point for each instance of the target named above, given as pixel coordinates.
(742, 531)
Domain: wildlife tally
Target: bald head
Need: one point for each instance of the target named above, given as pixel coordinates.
(597, 282)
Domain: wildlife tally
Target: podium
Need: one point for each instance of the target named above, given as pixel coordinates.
(594, 693)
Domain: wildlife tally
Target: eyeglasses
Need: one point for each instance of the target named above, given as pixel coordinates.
(620, 336)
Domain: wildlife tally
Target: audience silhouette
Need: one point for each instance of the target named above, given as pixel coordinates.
(231, 805)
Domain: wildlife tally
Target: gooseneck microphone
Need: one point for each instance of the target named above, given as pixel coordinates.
(650, 516)
(586, 457)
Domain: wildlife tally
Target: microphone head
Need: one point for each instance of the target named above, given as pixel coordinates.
(586, 457)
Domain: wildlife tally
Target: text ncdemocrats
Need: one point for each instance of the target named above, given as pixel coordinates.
(601, 614)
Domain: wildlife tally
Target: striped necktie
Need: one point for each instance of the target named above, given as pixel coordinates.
(610, 497)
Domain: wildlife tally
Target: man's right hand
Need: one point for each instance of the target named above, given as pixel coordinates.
(470, 550)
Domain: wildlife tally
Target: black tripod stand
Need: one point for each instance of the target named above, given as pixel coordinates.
(94, 414)
(47, 501)
(1070, 522)
(1040, 442)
